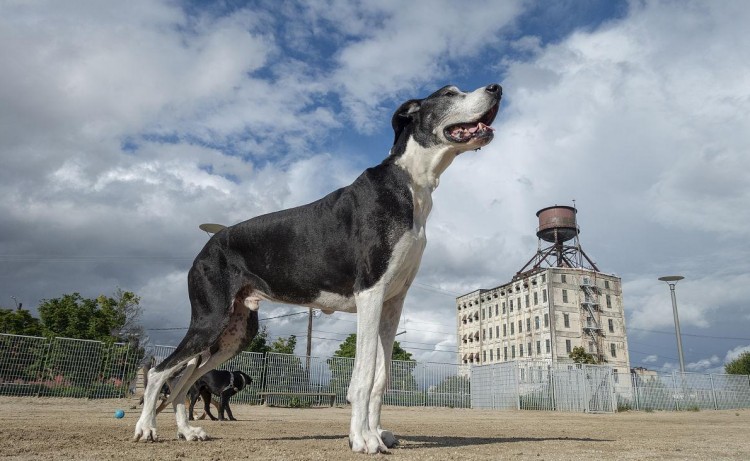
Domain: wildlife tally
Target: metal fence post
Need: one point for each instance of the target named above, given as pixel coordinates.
(713, 391)
(674, 390)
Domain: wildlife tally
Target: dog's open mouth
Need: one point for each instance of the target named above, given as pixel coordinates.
(464, 132)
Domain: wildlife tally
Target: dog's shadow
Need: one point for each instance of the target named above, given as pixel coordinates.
(425, 441)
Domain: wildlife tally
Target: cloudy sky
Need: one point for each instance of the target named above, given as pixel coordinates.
(125, 125)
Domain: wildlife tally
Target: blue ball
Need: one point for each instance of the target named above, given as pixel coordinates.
(119, 414)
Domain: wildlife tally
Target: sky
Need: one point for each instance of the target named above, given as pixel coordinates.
(125, 125)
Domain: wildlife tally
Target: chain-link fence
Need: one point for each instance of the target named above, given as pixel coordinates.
(62, 367)
(539, 385)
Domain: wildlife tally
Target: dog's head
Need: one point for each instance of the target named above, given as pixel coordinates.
(241, 380)
(448, 117)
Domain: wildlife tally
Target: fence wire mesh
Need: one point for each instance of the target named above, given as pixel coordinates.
(32, 366)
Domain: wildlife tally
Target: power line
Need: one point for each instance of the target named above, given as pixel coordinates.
(690, 334)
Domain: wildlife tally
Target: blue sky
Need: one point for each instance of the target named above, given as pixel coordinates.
(125, 125)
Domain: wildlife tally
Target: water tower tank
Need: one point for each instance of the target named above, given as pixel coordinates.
(557, 224)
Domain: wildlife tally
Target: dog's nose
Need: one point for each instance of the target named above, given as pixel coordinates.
(494, 89)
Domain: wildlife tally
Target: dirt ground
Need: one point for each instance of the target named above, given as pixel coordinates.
(58, 429)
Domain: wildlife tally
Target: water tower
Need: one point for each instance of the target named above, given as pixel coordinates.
(558, 227)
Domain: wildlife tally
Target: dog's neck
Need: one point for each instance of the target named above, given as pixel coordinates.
(425, 165)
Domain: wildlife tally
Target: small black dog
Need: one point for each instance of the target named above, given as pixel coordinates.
(222, 383)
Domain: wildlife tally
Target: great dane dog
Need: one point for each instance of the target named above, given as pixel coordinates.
(355, 250)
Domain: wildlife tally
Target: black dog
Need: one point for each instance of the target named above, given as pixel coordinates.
(221, 383)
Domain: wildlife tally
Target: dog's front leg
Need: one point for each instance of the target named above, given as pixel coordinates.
(369, 308)
(386, 334)
(226, 406)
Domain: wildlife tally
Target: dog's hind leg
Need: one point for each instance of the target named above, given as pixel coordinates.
(242, 327)
(145, 428)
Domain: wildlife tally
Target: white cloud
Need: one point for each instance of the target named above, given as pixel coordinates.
(227, 116)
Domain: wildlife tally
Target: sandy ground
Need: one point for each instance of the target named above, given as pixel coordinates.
(47, 429)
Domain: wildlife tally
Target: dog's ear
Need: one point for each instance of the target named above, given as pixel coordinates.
(404, 116)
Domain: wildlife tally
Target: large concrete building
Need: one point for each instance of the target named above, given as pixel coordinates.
(545, 312)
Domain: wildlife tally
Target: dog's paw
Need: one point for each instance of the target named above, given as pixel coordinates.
(145, 433)
(191, 433)
(368, 443)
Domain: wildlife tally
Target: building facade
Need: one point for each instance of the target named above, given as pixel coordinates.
(542, 315)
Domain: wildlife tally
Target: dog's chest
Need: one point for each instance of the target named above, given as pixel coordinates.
(407, 252)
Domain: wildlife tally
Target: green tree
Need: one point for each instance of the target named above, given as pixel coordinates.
(284, 345)
(103, 319)
(349, 349)
(260, 342)
(739, 366)
(19, 322)
(579, 355)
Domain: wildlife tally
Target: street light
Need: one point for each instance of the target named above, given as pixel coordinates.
(672, 280)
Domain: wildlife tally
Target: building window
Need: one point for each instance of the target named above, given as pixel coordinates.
(547, 345)
(482, 313)
(565, 296)
(527, 300)
(568, 347)
(512, 352)
(591, 347)
(489, 312)
(536, 322)
(613, 349)
(484, 356)
(616, 375)
(505, 330)
(498, 353)
(518, 303)
(490, 332)
(528, 324)
(520, 350)
(497, 333)
(546, 320)
(538, 348)
(611, 326)
(536, 298)
(609, 302)
(495, 310)
(510, 304)
(503, 307)
(606, 284)
(544, 278)
(511, 328)
(520, 326)
(566, 320)
(544, 296)
(505, 353)
(529, 348)
(484, 333)
(491, 359)
(563, 278)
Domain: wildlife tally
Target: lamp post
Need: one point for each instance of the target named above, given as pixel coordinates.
(672, 280)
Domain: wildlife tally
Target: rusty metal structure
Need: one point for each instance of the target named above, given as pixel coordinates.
(558, 226)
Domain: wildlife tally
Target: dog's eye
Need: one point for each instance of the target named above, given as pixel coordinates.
(450, 93)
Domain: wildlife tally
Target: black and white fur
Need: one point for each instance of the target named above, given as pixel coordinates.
(355, 250)
(221, 383)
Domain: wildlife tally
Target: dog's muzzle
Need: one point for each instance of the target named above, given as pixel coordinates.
(480, 129)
